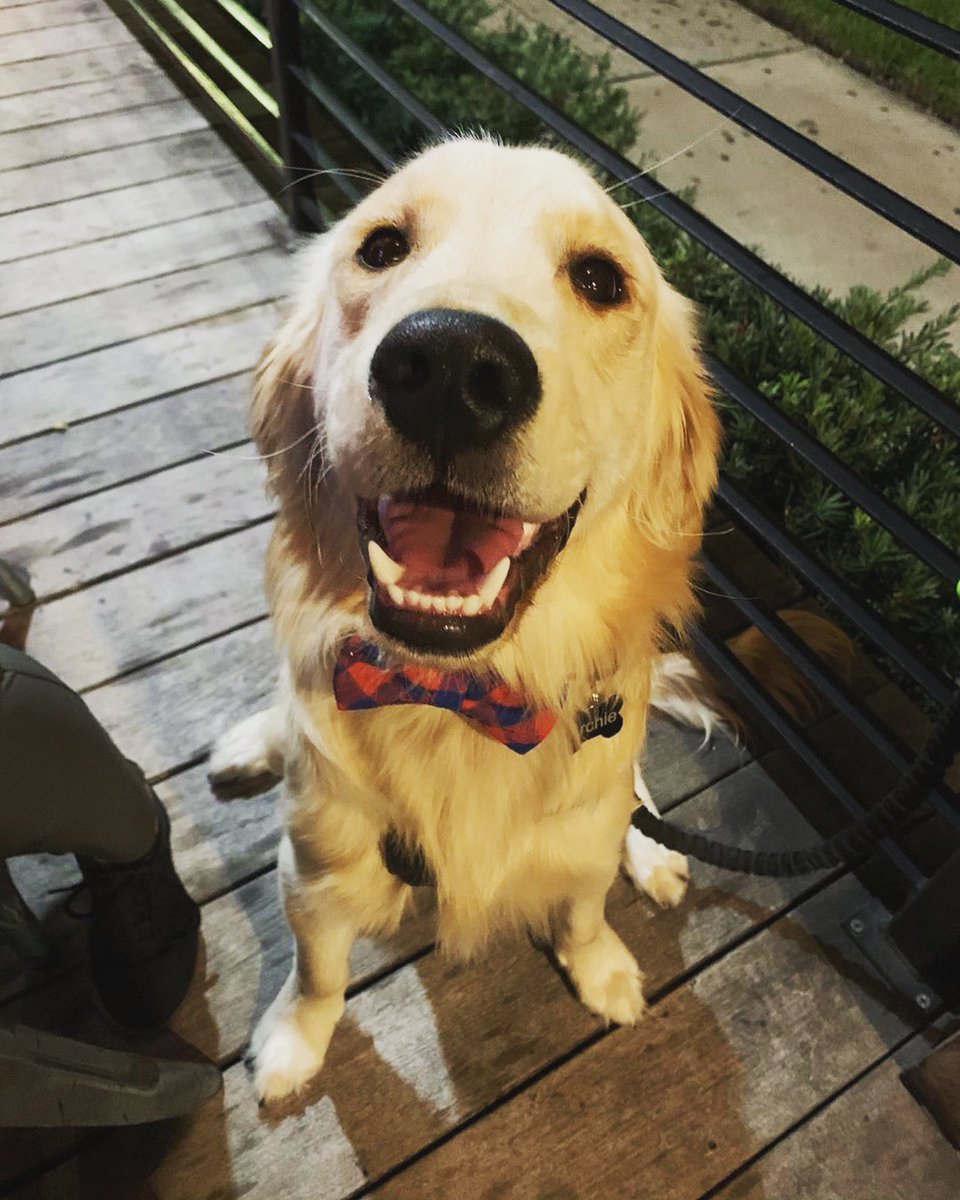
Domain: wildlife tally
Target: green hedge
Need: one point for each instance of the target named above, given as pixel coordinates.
(878, 434)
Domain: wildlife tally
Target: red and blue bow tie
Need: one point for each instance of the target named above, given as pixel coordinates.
(360, 680)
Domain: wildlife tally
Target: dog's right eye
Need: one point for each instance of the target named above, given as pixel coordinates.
(383, 248)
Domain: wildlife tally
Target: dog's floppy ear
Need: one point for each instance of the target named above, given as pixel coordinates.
(685, 429)
(281, 412)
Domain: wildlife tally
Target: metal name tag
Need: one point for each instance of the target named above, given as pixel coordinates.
(602, 718)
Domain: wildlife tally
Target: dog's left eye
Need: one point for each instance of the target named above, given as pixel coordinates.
(383, 248)
(598, 279)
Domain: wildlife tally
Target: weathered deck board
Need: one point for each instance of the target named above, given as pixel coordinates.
(154, 612)
(43, 78)
(721, 1067)
(873, 1142)
(183, 357)
(119, 446)
(47, 335)
(133, 257)
(77, 136)
(55, 227)
(62, 39)
(105, 170)
(84, 100)
(101, 534)
(46, 14)
(425, 1047)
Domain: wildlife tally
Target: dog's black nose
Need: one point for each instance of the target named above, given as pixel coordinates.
(453, 381)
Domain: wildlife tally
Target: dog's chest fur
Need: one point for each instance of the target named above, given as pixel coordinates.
(501, 831)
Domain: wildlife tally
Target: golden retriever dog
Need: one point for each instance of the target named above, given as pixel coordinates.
(491, 441)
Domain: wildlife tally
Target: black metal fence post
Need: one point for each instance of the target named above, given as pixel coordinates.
(286, 56)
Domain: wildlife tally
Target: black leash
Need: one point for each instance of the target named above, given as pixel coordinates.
(903, 799)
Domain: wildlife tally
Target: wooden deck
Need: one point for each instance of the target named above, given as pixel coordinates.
(141, 268)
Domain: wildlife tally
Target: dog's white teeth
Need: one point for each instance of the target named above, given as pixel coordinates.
(384, 568)
(395, 594)
(471, 606)
(454, 604)
(490, 589)
(530, 531)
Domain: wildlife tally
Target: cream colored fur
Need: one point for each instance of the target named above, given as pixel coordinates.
(529, 842)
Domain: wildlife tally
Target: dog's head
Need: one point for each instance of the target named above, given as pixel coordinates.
(493, 367)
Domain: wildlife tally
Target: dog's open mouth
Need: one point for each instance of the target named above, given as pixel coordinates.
(446, 576)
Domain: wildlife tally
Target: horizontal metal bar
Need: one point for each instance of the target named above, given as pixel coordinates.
(345, 116)
(873, 358)
(826, 583)
(371, 67)
(913, 24)
(722, 659)
(903, 527)
(838, 694)
(868, 191)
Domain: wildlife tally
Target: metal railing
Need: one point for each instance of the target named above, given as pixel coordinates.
(286, 90)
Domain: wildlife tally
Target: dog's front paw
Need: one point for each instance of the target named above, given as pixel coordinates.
(661, 873)
(290, 1043)
(607, 978)
(243, 761)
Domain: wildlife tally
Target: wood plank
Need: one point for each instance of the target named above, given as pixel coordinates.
(874, 1141)
(155, 612)
(167, 715)
(82, 66)
(677, 762)
(105, 170)
(65, 39)
(99, 382)
(102, 534)
(417, 1052)
(720, 1068)
(74, 137)
(934, 1083)
(111, 449)
(48, 13)
(54, 227)
(47, 335)
(84, 100)
(128, 258)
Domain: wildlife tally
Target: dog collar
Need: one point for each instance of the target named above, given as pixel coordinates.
(362, 679)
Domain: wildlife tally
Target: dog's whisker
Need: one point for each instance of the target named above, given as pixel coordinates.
(259, 457)
(646, 199)
(349, 172)
(698, 587)
(676, 154)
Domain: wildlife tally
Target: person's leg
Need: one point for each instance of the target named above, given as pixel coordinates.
(66, 788)
(64, 785)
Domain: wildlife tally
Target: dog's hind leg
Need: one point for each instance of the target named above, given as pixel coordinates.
(326, 912)
(661, 873)
(248, 758)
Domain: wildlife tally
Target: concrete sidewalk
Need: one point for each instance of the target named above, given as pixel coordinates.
(761, 197)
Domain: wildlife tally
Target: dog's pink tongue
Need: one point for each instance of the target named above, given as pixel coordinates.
(444, 548)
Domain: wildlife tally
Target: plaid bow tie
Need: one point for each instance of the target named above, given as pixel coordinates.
(359, 681)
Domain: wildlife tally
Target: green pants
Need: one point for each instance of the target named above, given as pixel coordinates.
(64, 786)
